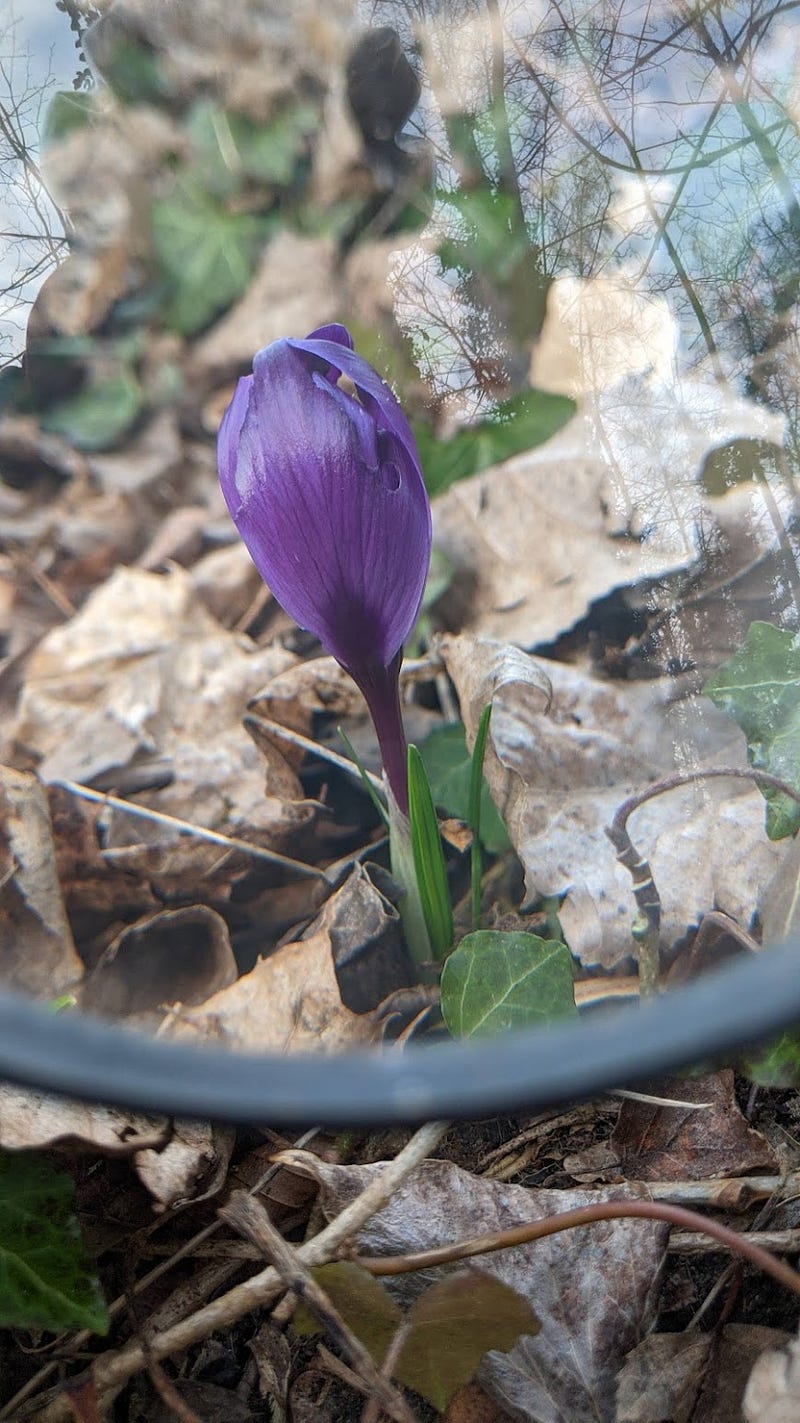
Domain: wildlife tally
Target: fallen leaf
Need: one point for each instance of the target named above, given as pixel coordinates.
(290, 1002)
(144, 671)
(192, 1166)
(661, 1378)
(293, 291)
(37, 953)
(676, 1144)
(779, 901)
(30, 1118)
(369, 952)
(270, 1349)
(558, 777)
(597, 331)
(772, 1394)
(593, 1287)
(736, 1353)
(180, 955)
(493, 981)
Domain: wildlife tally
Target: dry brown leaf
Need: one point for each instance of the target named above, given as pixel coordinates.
(661, 1378)
(592, 1289)
(144, 671)
(192, 1166)
(29, 1118)
(533, 544)
(180, 955)
(152, 455)
(678, 1144)
(735, 1354)
(37, 953)
(558, 778)
(597, 331)
(772, 1394)
(366, 942)
(289, 1002)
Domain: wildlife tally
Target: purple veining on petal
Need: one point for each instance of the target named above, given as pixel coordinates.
(327, 493)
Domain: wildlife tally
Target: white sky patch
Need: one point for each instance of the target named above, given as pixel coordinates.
(636, 198)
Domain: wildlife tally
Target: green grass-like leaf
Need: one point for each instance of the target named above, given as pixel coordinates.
(46, 1278)
(426, 844)
(494, 981)
(759, 687)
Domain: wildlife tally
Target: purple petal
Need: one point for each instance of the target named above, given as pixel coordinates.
(375, 394)
(329, 498)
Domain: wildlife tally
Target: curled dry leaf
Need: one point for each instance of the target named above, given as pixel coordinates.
(178, 956)
(367, 942)
(37, 953)
(558, 778)
(143, 672)
(192, 1166)
(290, 1002)
(592, 1289)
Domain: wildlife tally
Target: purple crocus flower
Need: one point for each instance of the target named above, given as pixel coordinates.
(326, 490)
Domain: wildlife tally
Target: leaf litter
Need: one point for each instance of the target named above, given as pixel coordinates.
(144, 666)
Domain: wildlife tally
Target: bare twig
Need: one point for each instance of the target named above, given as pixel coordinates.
(113, 1369)
(249, 1218)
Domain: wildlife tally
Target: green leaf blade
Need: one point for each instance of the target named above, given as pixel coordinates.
(429, 866)
(449, 768)
(46, 1279)
(495, 981)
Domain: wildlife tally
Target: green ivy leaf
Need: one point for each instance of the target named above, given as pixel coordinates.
(207, 253)
(449, 768)
(99, 416)
(228, 147)
(521, 423)
(494, 981)
(759, 687)
(364, 1303)
(66, 111)
(777, 1064)
(452, 1325)
(46, 1278)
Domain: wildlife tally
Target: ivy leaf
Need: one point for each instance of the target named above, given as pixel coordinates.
(494, 981)
(99, 416)
(207, 253)
(521, 423)
(777, 1064)
(228, 147)
(759, 687)
(364, 1303)
(46, 1279)
(452, 1325)
(449, 768)
(66, 111)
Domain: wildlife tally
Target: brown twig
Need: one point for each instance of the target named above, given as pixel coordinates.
(248, 1217)
(574, 1219)
(115, 1368)
(647, 927)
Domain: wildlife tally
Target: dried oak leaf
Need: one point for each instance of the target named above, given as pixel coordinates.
(661, 1378)
(592, 1289)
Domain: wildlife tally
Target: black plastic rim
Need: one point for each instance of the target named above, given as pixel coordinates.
(77, 1056)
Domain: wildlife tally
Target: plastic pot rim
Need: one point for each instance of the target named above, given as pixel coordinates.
(72, 1054)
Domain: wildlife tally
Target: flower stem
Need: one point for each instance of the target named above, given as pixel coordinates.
(381, 689)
